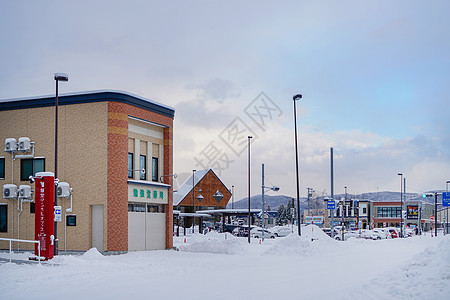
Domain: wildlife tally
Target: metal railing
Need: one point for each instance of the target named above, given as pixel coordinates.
(24, 241)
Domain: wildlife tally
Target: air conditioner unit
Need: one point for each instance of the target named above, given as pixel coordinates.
(24, 144)
(10, 145)
(24, 192)
(9, 191)
(63, 190)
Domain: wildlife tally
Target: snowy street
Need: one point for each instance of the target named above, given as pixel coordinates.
(214, 267)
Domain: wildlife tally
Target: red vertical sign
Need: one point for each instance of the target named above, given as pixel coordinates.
(44, 213)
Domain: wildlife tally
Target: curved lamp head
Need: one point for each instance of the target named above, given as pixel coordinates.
(61, 77)
(297, 97)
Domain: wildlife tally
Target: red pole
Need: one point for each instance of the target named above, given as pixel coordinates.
(44, 217)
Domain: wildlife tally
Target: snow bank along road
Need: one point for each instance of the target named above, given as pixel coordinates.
(220, 266)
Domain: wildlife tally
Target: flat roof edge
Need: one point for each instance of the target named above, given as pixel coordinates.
(87, 97)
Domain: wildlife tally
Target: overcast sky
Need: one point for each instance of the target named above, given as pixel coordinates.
(374, 75)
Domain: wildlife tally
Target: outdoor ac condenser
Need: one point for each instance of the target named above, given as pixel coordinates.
(10, 145)
(63, 190)
(24, 144)
(24, 192)
(9, 191)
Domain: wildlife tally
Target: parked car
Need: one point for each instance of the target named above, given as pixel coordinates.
(383, 233)
(395, 232)
(347, 235)
(230, 227)
(258, 233)
(372, 234)
(282, 231)
(241, 231)
(410, 232)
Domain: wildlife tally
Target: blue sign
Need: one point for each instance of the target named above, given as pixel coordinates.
(331, 204)
(355, 203)
(446, 199)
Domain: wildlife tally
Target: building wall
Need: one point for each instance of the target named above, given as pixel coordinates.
(120, 142)
(82, 162)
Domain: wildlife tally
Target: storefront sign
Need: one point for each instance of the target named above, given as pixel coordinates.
(412, 212)
(314, 220)
(147, 193)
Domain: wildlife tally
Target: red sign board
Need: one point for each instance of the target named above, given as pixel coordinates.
(432, 217)
(44, 213)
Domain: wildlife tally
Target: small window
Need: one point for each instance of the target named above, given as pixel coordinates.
(156, 208)
(142, 164)
(32, 207)
(136, 207)
(364, 210)
(2, 168)
(130, 165)
(154, 168)
(4, 218)
(29, 167)
(71, 220)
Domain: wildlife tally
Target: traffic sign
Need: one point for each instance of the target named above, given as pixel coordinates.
(445, 199)
(57, 217)
(432, 217)
(331, 204)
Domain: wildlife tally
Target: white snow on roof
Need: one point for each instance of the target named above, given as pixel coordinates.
(230, 211)
(84, 93)
(186, 188)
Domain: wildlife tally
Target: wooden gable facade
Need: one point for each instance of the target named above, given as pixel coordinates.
(209, 185)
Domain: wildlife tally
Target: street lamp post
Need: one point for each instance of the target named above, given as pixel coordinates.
(446, 210)
(401, 204)
(58, 77)
(249, 138)
(262, 204)
(435, 213)
(232, 197)
(295, 98)
(332, 192)
(193, 200)
(263, 187)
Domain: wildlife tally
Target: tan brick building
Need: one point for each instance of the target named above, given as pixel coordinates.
(101, 136)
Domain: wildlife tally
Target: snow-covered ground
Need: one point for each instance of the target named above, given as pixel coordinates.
(221, 266)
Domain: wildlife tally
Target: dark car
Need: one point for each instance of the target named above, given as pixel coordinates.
(230, 227)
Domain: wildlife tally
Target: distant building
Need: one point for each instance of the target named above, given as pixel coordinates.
(443, 218)
(377, 214)
(203, 190)
(350, 214)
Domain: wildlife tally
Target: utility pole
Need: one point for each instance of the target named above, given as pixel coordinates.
(249, 138)
(332, 192)
(193, 200)
(435, 213)
(232, 197)
(310, 191)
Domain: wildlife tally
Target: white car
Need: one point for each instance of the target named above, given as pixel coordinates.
(282, 231)
(347, 235)
(383, 233)
(258, 233)
(372, 234)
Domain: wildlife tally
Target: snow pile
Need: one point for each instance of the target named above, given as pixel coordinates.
(314, 232)
(92, 254)
(213, 242)
(431, 266)
(293, 245)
